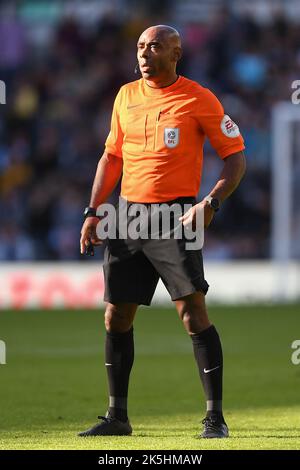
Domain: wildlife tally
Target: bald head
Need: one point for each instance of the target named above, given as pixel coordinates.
(159, 49)
(165, 33)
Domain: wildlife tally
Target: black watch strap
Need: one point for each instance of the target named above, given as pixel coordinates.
(89, 212)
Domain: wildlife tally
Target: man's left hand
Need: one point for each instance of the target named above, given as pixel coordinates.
(190, 216)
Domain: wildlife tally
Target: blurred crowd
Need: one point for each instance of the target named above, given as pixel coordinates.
(61, 81)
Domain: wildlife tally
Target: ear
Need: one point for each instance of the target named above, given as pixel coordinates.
(177, 54)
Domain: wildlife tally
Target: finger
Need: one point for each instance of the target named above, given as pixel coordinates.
(187, 221)
(185, 216)
(94, 238)
(96, 242)
(187, 213)
(82, 244)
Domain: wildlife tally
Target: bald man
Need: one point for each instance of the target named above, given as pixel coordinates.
(159, 50)
(158, 127)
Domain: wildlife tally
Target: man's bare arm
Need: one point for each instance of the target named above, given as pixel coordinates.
(108, 173)
(231, 175)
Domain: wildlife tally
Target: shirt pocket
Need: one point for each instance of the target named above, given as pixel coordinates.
(171, 132)
(135, 138)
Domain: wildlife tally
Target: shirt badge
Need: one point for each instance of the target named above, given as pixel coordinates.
(171, 137)
(229, 128)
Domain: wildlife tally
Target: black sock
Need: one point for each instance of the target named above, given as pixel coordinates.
(119, 356)
(209, 358)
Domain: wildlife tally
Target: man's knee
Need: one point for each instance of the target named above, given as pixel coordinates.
(192, 311)
(187, 319)
(119, 318)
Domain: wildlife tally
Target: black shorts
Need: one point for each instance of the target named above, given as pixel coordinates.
(132, 267)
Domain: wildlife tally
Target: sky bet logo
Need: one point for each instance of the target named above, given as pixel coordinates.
(2, 93)
(2, 352)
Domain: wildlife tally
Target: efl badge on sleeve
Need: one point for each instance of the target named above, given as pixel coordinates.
(171, 136)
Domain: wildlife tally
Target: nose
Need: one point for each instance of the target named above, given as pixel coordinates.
(143, 53)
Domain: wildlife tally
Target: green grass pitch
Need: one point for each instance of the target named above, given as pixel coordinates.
(54, 382)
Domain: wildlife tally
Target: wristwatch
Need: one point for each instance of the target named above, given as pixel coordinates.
(89, 212)
(213, 202)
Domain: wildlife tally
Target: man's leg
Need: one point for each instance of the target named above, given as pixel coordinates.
(119, 356)
(209, 358)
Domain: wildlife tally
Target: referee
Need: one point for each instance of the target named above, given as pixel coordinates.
(158, 127)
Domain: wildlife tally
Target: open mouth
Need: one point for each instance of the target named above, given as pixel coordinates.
(146, 68)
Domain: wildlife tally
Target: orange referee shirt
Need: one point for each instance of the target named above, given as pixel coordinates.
(160, 132)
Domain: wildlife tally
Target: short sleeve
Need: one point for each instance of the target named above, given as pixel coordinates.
(114, 141)
(223, 134)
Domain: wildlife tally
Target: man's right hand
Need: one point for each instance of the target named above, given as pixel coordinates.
(88, 233)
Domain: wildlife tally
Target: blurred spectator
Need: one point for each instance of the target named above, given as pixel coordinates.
(62, 74)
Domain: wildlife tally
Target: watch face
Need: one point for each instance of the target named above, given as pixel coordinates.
(214, 203)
